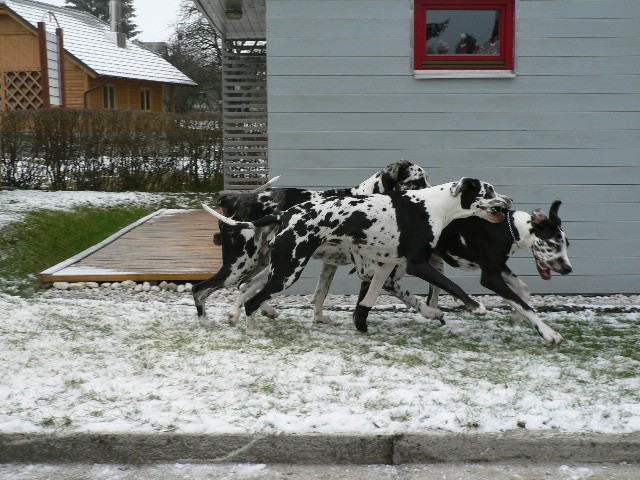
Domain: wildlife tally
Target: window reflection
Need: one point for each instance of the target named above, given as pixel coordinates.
(463, 32)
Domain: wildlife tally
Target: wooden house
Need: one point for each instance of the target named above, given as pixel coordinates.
(56, 56)
(542, 98)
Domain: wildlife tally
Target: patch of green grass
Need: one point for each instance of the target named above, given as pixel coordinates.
(45, 238)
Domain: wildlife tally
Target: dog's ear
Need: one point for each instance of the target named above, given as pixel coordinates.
(553, 212)
(401, 172)
(538, 216)
(390, 174)
(456, 188)
(465, 183)
(227, 203)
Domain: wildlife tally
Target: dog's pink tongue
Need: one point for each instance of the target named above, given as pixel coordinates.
(543, 271)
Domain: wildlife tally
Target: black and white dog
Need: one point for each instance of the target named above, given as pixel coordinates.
(381, 231)
(246, 252)
(471, 243)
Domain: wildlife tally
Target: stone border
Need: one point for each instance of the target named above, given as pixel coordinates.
(134, 448)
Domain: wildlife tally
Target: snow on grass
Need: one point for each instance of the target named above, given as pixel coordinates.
(14, 204)
(141, 363)
(91, 365)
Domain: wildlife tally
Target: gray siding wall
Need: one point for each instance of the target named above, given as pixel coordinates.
(343, 102)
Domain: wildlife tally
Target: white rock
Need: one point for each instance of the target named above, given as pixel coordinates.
(138, 287)
(129, 284)
(77, 286)
(146, 286)
(180, 288)
(106, 285)
(155, 288)
(61, 285)
(172, 286)
(115, 285)
(188, 286)
(93, 284)
(163, 285)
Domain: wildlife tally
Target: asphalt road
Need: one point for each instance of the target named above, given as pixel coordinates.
(198, 471)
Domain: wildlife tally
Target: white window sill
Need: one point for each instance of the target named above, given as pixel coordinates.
(429, 74)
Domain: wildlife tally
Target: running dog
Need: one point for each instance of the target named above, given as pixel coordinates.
(471, 243)
(246, 252)
(379, 231)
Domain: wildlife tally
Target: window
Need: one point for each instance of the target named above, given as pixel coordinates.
(145, 99)
(464, 34)
(109, 96)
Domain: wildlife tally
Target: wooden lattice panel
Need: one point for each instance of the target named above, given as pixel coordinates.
(244, 101)
(22, 90)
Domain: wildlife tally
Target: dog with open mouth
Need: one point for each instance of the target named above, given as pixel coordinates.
(470, 244)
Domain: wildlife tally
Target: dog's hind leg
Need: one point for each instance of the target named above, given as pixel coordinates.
(413, 302)
(364, 305)
(427, 272)
(284, 271)
(432, 297)
(495, 283)
(322, 289)
(202, 290)
(246, 291)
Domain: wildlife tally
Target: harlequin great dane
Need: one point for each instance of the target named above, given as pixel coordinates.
(385, 230)
(245, 252)
(471, 243)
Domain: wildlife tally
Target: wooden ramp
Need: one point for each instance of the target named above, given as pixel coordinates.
(166, 245)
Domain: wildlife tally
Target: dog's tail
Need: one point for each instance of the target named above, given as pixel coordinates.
(261, 222)
(222, 194)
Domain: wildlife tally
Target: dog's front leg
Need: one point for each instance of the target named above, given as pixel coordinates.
(495, 283)
(520, 288)
(322, 289)
(426, 272)
(364, 305)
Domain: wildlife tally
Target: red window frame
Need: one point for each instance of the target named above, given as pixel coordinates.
(503, 61)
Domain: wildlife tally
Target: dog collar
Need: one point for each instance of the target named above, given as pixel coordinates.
(513, 235)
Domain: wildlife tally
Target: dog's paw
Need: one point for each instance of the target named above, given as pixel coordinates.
(515, 319)
(252, 326)
(550, 335)
(322, 319)
(430, 312)
(360, 315)
(233, 317)
(268, 311)
(479, 310)
(206, 322)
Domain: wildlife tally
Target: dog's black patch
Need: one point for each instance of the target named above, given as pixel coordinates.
(469, 191)
(415, 233)
(355, 226)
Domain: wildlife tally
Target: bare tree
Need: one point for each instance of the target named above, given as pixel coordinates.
(196, 49)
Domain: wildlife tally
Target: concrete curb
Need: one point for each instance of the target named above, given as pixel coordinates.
(320, 449)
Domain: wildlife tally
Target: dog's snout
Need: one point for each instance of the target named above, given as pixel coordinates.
(566, 269)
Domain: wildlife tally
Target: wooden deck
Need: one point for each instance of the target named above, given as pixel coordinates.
(166, 245)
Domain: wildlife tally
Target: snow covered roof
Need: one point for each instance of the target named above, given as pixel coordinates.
(85, 38)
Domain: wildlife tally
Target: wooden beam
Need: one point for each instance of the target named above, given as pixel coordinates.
(60, 37)
(44, 65)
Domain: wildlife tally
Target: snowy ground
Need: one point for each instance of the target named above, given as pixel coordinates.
(110, 360)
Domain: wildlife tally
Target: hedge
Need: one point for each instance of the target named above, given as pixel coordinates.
(110, 150)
